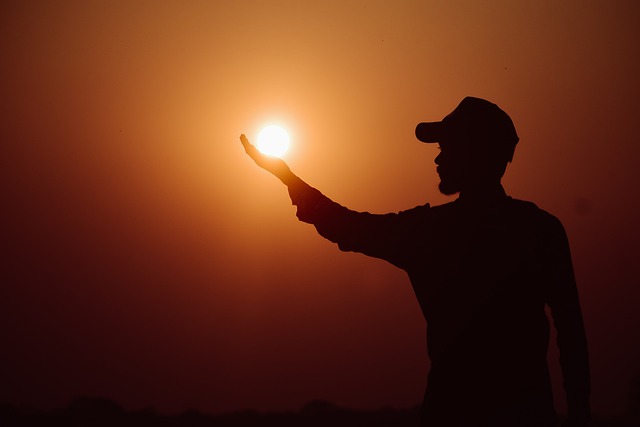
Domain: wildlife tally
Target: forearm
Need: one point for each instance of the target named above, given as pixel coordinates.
(312, 206)
(377, 235)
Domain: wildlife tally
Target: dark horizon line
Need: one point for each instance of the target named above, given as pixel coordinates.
(99, 405)
(97, 401)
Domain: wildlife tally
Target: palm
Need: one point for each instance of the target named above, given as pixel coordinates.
(271, 164)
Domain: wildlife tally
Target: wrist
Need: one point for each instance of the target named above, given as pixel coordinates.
(289, 179)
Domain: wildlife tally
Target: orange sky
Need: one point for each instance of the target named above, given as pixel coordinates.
(148, 260)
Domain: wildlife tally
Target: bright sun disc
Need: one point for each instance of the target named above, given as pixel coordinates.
(273, 141)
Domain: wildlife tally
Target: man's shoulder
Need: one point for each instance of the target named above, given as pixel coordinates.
(516, 209)
(529, 207)
(540, 217)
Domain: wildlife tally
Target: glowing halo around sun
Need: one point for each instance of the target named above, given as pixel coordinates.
(273, 141)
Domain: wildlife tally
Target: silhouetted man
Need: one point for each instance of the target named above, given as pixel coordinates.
(483, 267)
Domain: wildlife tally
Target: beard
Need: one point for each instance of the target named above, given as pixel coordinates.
(448, 187)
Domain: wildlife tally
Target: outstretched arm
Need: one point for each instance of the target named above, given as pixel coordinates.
(371, 234)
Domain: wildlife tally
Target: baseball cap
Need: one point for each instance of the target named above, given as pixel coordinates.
(474, 119)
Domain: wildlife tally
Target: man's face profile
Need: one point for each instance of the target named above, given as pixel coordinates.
(453, 166)
(464, 164)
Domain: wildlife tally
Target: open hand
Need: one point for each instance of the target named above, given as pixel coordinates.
(269, 163)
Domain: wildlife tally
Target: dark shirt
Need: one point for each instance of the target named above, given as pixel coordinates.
(482, 271)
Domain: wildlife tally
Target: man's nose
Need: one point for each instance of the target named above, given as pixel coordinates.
(438, 159)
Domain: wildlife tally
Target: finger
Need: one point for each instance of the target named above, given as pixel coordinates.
(248, 147)
(245, 142)
(255, 154)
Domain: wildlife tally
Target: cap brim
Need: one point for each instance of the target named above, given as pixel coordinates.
(429, 132)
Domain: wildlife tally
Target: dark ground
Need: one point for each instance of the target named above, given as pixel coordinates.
(100, 412)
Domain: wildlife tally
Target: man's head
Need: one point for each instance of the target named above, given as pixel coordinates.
(477, 140)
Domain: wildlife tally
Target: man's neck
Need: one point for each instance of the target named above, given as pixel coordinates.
(483, 194)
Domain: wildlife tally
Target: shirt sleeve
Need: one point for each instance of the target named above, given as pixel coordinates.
(377, 235)
(562, 298)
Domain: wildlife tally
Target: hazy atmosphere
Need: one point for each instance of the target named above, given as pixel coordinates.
(146, 258)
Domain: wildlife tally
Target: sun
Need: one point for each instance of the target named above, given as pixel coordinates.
(273, 141)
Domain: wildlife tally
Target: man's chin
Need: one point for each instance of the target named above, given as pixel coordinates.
(447, 189)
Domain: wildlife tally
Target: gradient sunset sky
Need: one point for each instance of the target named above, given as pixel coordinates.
(148, 260)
